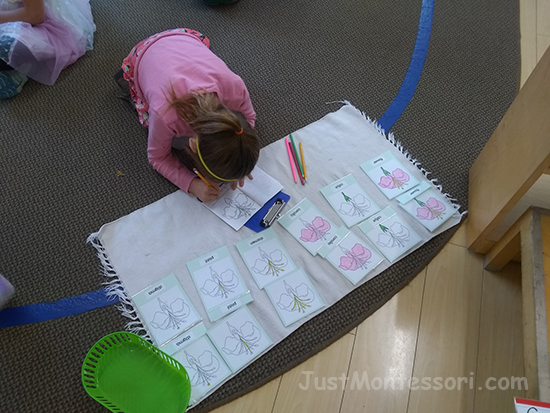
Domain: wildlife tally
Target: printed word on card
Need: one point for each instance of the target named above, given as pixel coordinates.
(390, 233)
(165, 309)
(219, 283)
(239, 338)
(350, 255)
(389, 175)
(349, 200)
(308, 225)
(266, 257)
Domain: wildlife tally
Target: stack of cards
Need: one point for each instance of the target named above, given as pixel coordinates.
(427, 205)
(308, 225)
(349, 200)
(390, 233)
(166, 310)
(389, 175)
(219, 283)
(350, 255)
(266, 257)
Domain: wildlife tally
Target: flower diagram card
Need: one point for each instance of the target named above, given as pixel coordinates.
(294, 297)
(389, 175)
(165, 309)
(308, 225)
(266, 257)
(239, 338)
(427, 205)
(205, 366)
(219, 283)
(350, 255)
(390, 233)
(349, 200)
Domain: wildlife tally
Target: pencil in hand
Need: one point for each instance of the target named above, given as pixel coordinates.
(202, 177)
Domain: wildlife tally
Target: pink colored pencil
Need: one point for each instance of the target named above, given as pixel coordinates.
(290, 159)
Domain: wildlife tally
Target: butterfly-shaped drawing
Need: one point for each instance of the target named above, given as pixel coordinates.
(354, 259)
(431, 209)
(241, 206)
(271, 264)
(203, 368)
(297, 299)
(394, 236)
(358, 205)
(220, 284)
(171, 316)
(396, 179)
(242, 340)
(314, 230)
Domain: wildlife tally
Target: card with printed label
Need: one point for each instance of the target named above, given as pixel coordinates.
(349, 200)
(219, 283)
(165, 309)
(266, 257)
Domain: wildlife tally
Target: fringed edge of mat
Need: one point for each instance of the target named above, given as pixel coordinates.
(391, 138)
(114, 288)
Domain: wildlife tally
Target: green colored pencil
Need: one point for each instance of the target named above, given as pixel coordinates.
(297, 157)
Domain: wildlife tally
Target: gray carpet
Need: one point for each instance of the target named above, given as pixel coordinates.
(61, 146)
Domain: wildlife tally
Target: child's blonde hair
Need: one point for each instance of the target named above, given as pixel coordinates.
(228, 146)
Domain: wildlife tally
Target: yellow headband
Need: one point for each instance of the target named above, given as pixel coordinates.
(206, 167)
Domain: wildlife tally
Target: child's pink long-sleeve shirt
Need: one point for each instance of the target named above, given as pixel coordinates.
(187, 64)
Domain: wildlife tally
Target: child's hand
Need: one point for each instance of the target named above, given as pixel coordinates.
(240, 182)
(204, 192)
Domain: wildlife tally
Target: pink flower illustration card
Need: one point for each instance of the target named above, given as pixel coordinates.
(294, 297)
(352, 256)
(389, 175)
(308, 225)
(391, 234)
(427, 205)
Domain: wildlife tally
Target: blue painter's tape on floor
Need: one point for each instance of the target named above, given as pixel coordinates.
(34, 313)
(96, 299)
(414, 71)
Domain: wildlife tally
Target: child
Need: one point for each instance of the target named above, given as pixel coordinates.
(183, 91)
(39, 38)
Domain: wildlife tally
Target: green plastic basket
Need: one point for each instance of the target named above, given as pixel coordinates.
(126, 373)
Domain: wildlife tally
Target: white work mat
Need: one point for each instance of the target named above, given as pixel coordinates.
(159, 239)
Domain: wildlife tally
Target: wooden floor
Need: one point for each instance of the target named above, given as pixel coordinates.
(453, 321)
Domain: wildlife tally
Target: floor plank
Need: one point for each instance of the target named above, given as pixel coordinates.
(324, 391)
(448, 334)
(384, 350)
(500, 354)
(459, 238)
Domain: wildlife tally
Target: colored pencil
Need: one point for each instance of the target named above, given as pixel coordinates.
(290, 159)
(303, 163)
(302, 181)
(201, 177)
(297, 157)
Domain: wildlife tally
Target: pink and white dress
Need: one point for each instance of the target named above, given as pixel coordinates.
(42, 51)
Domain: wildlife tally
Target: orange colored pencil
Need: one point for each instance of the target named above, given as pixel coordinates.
(303, 163)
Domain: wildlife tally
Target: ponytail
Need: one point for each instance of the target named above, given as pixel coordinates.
(229, 146)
